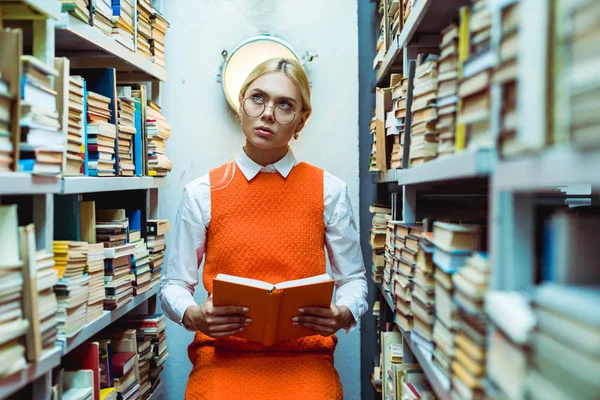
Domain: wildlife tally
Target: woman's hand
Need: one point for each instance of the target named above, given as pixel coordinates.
(324, 321)
(216, 322)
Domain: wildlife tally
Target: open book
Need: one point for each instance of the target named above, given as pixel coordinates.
(272, 307)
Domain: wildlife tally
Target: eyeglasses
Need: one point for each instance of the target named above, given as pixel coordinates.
(255, 106)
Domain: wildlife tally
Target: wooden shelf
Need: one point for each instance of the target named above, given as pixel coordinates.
(548, 170)
(423, 26)
(386, 177)
(92, 184)
(15, 382)
(108, 318)
(463, 165)
(157, 394)
(87, 46)
(30, 9)
(15, 183)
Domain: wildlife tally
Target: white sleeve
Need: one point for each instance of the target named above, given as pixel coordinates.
(343, 246)
(186, 251)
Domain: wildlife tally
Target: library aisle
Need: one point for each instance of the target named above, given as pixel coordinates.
(468, 158)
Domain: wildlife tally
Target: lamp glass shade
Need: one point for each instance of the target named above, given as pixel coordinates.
(245, 58)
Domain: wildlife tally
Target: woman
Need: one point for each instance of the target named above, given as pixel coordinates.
(266, 217)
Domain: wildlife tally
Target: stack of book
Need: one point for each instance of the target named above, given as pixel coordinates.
(157, 229)
(453, 245)
(157, 43)
(378, 266)
(47, 278)
(575, 50)
(79, 8)
(123, 30)
(395, 14)
(144, 28)
(95, 270)
(388, 257)
(373, 131)
(6, 144)
(393, 128)
(103, 16)
(101, 136)
(381, 214)
(42, 142)
(145, 355)
(406, 247)
(407, 8)
(566, 345)
(447, 90)
(474, 88)
(512, 323)
(470, 286)
(12, 324)
(140, 266)
(125, 364)
(75, 130)
(380, 46)
(112, 227)
(424, 136)
(127, 133)
(77, 384)
(505, 74)
(153, 328)
(399, 95)
(423, 294)
(72, 289)
(157, 132)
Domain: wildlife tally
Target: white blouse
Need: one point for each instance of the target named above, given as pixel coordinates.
(180, 276)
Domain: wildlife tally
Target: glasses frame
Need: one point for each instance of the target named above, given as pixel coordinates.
(263, 111)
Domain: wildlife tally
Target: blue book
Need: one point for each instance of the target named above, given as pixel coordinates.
(135, 220)
(67, 215)
(86, 170)
(102, 81)
(138, 146)
(26, 165)
(450, 261)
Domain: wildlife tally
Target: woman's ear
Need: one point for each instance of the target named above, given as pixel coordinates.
(241, 100)
(302, 121)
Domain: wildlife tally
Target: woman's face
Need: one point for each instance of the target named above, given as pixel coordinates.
(282, 103)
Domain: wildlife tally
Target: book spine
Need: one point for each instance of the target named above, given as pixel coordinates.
(272, 317)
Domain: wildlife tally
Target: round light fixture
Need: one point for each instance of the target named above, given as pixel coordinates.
(245, 58)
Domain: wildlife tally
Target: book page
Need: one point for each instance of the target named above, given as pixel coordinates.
(245, 281)
(304, 281)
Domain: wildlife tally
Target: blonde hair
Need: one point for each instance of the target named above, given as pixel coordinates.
(291, 68)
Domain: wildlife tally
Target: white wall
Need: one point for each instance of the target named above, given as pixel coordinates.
(204, 134)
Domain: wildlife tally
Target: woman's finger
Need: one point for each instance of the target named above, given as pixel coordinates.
(315, 328)
(226, 328)
(230, 319)
(224, 334)
(314, 319)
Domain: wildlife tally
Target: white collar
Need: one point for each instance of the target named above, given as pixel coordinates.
(250, 168)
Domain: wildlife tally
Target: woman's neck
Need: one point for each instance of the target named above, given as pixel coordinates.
(264, 157)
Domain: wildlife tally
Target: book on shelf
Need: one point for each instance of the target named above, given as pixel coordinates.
(102, 16)
(123, 24)
(75, 127)
(272, 306)
(157, 132)
(78, 384)
(42, 142)
(79, 8)
(157, 42)
(97, 292)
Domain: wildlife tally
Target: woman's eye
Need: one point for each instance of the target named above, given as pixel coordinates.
(258, 99)
(285, 106)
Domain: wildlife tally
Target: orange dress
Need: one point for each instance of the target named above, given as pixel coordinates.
(270, 228)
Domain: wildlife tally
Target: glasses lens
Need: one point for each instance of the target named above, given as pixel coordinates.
(253, 107)
(284, 117)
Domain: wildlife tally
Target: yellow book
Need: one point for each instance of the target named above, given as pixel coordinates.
(460, 139)
(473, 367)
(465, 376)
(470, 347)
(107, 393)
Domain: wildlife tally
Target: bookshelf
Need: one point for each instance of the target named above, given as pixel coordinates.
(158, 392)
(59, 34)
(527, 177)
(86, 184)
(30, 9)
(32, 372)
(108, 318)
(87, 47)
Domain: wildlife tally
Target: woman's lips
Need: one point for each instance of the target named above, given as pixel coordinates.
(263, 131)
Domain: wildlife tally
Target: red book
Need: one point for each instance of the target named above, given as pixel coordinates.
(85, 356)
(123, 363)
